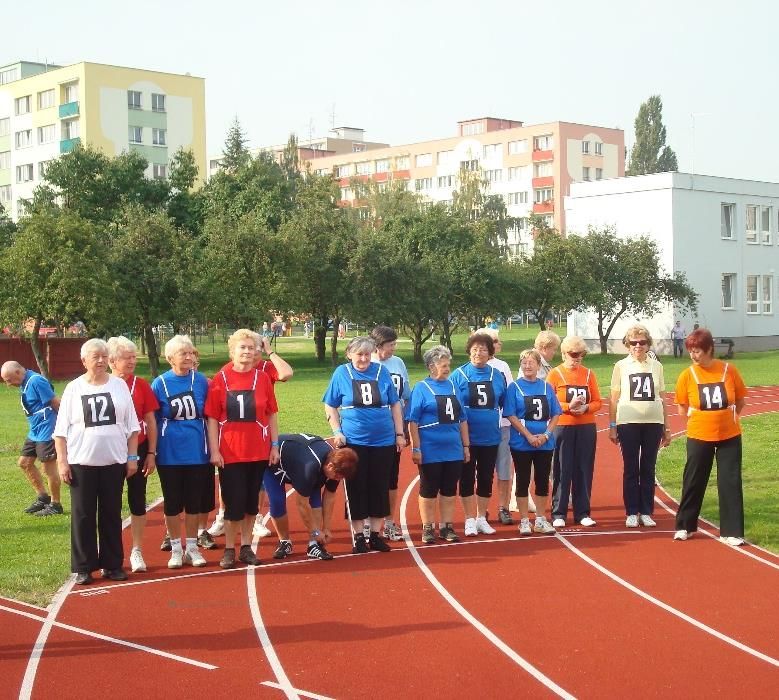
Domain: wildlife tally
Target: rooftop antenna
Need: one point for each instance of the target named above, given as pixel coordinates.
(332, 116)
(310, 130)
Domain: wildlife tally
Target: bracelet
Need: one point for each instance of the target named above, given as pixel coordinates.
(272, 352)
(418, 450)
(274, 443)
(612, 425)
(399, 435)
(466, 446)
(315, 533)
(337, 431)
(548, 434)
(132, 458)
(151, 453)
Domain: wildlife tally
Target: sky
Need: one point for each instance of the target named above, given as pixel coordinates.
(409, 70)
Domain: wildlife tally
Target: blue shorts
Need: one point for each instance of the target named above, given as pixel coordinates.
(277, 496)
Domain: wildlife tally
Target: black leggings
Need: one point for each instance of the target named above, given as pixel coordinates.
(439, 477)
(523, 461)
(136, 484)
(480, 469)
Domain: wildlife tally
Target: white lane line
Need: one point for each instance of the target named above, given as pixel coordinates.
(678, 613)
(449, 598)
(21, 602)
(112, 640)
(302, 693)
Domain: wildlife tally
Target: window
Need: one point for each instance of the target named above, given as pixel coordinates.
(5, 194)
(727, 220)
(768, 294)
(21, 208)
(585, 147)
(157, 102)
(159, 171)
(751, 236)
(470, 165)
(473, 129)
(542, 195)
(765, 225)
(424, 159)
(423, 183)
(363, 167)
(158, 137)
(71, 93)
(491, 150)
(5, 160)
(517, 147)
(543, 143)
(586, 174)
(446, 180)
(24, 172)
(5, 126)
(543, 169)
(46, 133)
(382, 186)
(8, 76)
(752, 301)
(363, 213)
(46, 99)
(346, 193)
(517, 198)
(598, 173)
(133, 99)
(23, 105)
(343, 170)
(43, 166)
(599, 148)
(728, 290)
(402, 162)
(70, 129)
(136, 134)
(444, 157)
(493, 175)
(520, 172)
(322, 173)
(518, 250)
(23, 139)
(383, 165)
(359, 147)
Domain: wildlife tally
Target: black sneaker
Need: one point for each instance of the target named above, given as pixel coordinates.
(38, 504)
(428, 536)
(247, 556)
(115, 574)
(49, 509)
(84, 578)
(228, 558)
(360, 544)
(505, 517)
(165, 546)
(377, 544)
(205, 541)
(448, 533)
(283, 550)
(318, 551)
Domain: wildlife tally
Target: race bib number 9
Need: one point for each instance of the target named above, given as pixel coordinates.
(98, 410)
(536, 408)
(642, 386)
(481, 395)
(448, 409)
(712, 397)
(366, 393)
(182, 406)
(397, 380)
(241, 407)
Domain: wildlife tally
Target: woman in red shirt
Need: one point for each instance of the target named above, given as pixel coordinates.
(243, 437)
(712, 395)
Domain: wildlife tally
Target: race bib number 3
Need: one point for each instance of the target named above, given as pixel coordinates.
(241, 407)
(366, 393)
(642, 386)
(448, 409)
(712, 397)
(182, 406)
(571, 392)
(99, 410)
(481, 395)
(536, 408)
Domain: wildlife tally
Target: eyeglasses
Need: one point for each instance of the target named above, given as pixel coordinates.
(574, 355)
(638, 342)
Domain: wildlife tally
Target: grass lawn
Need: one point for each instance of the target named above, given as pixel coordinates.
(35, 552)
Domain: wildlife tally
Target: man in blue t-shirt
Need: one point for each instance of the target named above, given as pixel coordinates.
(40, 404)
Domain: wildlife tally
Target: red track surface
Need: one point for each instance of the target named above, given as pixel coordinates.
(601, 613)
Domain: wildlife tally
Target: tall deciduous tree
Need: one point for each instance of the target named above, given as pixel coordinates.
(185, 205)
(650, 153)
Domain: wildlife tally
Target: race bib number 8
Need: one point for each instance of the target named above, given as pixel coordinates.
(98, 409)
(241, 407)
(182, 406)
(481, 395)
(448, 409)
(366, 393)
(536, 408)
(712, 397)
(642, 386)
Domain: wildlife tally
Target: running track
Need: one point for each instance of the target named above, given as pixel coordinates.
(604, 612)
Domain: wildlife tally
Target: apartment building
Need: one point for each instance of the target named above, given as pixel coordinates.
(45, 110)
(722, 233)
(530, 166)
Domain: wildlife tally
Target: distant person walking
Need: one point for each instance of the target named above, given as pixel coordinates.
(678, 334)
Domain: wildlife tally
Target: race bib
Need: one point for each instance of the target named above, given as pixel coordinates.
(642, 386)
(241, 407)
(536, 408)
(481, 395)
(98, 409)
(571, 392)
(713, 397)
(366, 393)
(182, 406)
(448, 409)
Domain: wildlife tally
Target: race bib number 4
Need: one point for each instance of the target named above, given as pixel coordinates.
(536, 408)
(366, 393)
(448, 409)
(99, 410)
(241, 407)
(642, 386)
(712, 397)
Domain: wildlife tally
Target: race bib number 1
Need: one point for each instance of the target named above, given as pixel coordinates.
(241, 407)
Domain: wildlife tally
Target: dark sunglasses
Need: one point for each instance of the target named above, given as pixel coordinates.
(638, 342)
(575, 354)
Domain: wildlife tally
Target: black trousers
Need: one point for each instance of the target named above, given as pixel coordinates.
(700, 459)
(573, 466)
(368, 489)
(96, 514)
(639, 443)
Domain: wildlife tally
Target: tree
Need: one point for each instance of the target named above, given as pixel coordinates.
(624, 276)
(649, 153)
(185, 206)
(7, 229)
(236, 154)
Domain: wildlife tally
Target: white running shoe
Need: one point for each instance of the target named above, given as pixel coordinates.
(542, 525)
(732, 541)
(682, 535)
(470, 527)
(176, 559)
(194, 557)
(484, 527)
(587, 522)
(392, 532)
(558, 522)
(646, 521)
(631, 521)
(531, 504)
(136, 561)
(524, 527)
(259, 529)
(217, 527)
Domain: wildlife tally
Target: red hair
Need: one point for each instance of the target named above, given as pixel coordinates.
(343, 461)
(700, 338)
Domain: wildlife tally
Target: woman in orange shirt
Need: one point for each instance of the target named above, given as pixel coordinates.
(573, 463)
(712, 395)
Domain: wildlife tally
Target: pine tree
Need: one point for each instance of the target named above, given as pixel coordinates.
(236, 154)
(650, 153)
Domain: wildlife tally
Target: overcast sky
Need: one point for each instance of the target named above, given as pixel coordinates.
(408, 70)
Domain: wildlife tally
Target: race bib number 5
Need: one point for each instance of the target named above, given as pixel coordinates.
(481, 395)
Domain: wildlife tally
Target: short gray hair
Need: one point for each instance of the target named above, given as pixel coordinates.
(176, 343)
(437, 353)
(119, 344)
(93, 345)
(361, 343)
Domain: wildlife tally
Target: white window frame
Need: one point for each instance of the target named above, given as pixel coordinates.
(495, 175)
(445, 181)
(768, 294)
(598, 173)
(444, 157)
(752, 294)
(585, 147)
(765, 220)
(751, 233)
(132, 103)
(543, 142)
(538, 195)
(43, 166)
(25, 173)
(71, 129)
(18, 142)
(731, 208)
(71, 93)
(344, 170)
(732, 289)
(157, 102)
(42, 134)
(5, 160)
(136, 131)
(382, 165)
(5, 194)
(402, 162)
(517, 147)
(363, 167)
(599, 148)
(544, 168)
(159, 137)
(424, 160)
(585, 174)
(423, 183)
(5, 126)
(491, 150)
(23, 105)
(159, 171)
(46, 98)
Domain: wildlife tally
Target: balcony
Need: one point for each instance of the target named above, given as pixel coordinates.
(547, 181)
(67, 145)
(546, 207)
(543, 155)
(69, 109)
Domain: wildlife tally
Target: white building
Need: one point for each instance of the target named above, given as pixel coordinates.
(720, 232)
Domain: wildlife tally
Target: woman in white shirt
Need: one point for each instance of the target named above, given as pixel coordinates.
(638, 422)
(96, 436)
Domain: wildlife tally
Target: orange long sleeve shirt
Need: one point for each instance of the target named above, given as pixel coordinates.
(568, 383)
